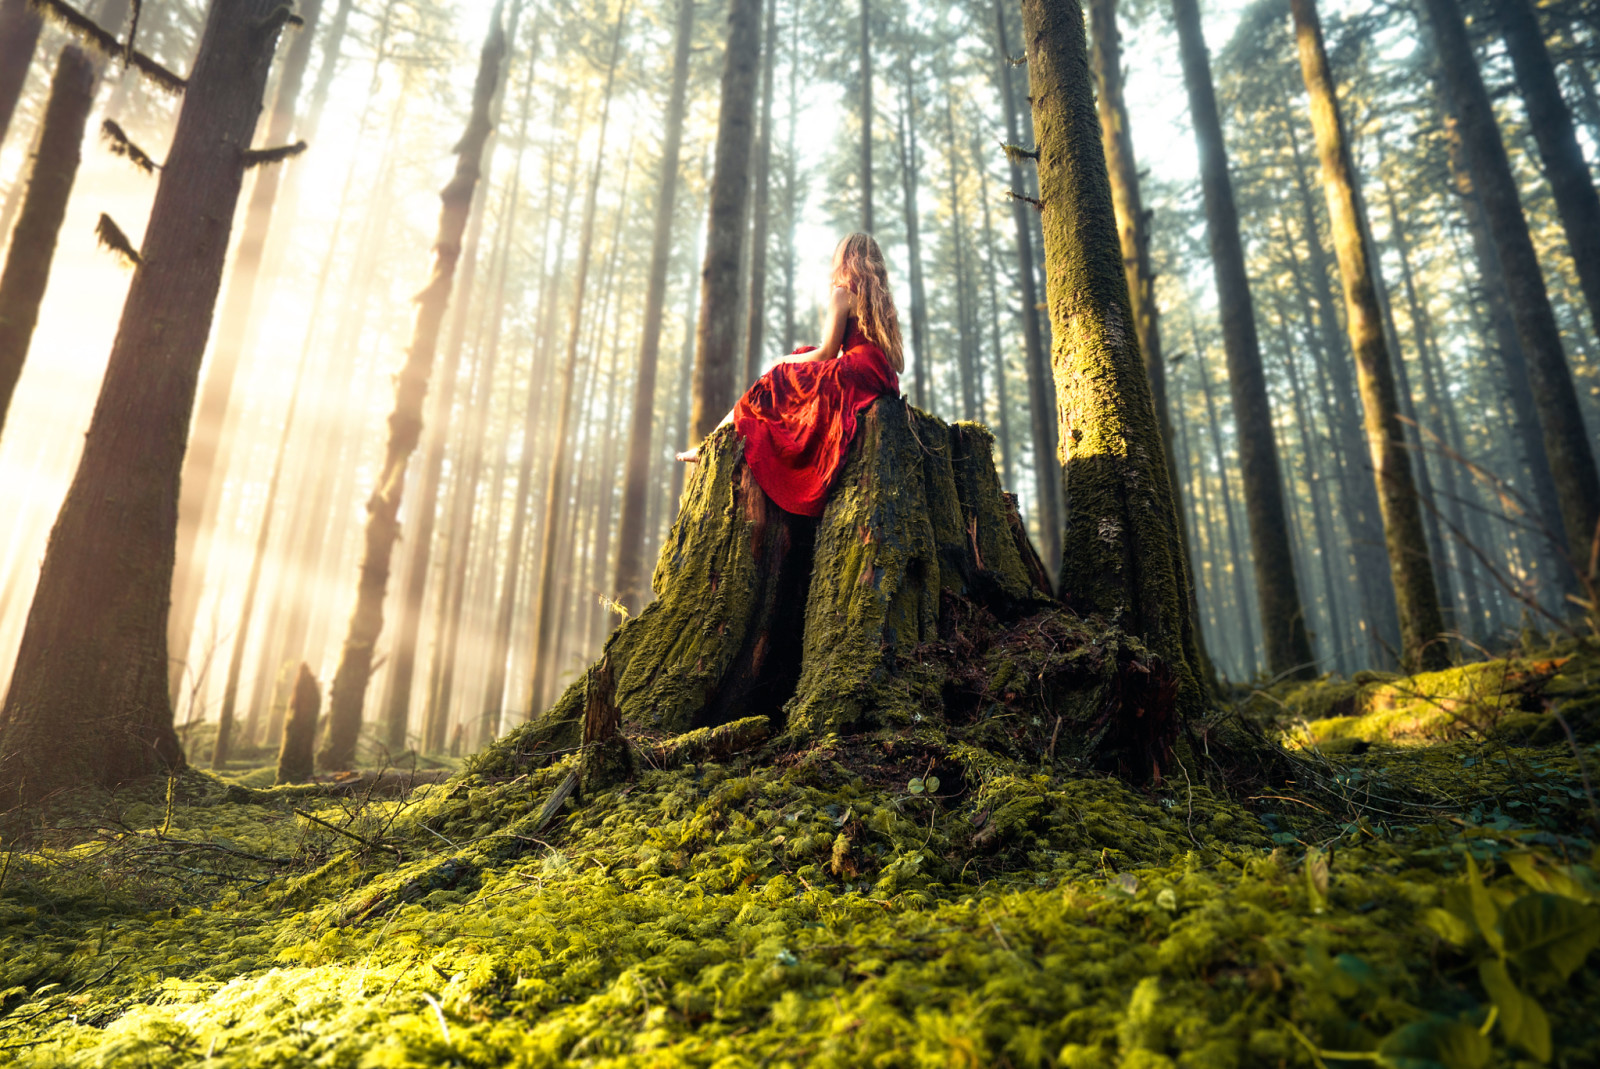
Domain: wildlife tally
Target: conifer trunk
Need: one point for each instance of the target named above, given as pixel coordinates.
(1422, 646)
(88, 701)
(1121, 551)
(1041, 397)
(717, 332)
(760, 208)
(636, 478)
(1002, 405)
(1133, 234)
(1287, 645)
(557, 511)
(19, 36)
(33, 242)
(1241, 599)
(1550, 121)
(866, 116)
(348, 693)
(966, 360)
(1566, 442)
(205, 463)
(919, 299)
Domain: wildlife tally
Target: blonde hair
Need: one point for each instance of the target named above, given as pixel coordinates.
(858, 266)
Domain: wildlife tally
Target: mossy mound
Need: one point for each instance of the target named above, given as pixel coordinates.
(923, 904)
(1515, 697)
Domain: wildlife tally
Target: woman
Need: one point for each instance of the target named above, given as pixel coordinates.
(798, 420)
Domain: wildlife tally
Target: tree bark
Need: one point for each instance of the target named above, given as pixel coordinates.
(205, 463)
(88, 702)
(1247, 628)
(348, 694)
(966, 359)
(1133, 234)
(630, 540)
(1122, 554)
(1041, 399)
(1422, 645)
(717, 333)
(760, 210)
(1287, 645)
(19, 36)
(1566, 442)
(556, 510)
(1551, 123)
(1002, 406)
(33, 242)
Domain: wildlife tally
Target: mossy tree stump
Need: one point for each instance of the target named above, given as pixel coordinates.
(867, 620)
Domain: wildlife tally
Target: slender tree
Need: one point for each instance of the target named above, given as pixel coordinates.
(1422, 646)
(866, 116)
(348, 693)
(760, 209)
(205, 464)
(1041, 403)
(19, 36)
(1550, 121)
(1121, 552)
(557, 509)
(33, 243)
(717, 333)
(1288, 646)
(1566, 442)
(88, 700)
(635, 485)
(908, 182)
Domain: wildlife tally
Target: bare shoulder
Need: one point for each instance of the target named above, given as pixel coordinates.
(842, 298)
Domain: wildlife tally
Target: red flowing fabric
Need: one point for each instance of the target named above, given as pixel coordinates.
(799, 418)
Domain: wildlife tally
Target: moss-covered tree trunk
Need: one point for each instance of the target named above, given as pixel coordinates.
(1133, 234)
(88, 701)
(1122, 552)
(300, 729)
(1422, 646)
(1288, 645)
(33, 242)
(348, 694)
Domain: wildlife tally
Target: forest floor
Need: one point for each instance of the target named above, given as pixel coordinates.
(1422, 895)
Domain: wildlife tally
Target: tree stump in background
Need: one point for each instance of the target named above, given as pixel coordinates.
(910, 605)
(300, 729)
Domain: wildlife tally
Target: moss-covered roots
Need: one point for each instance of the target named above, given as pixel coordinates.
(868, 620)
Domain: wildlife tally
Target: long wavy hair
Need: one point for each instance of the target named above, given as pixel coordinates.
(858, 266)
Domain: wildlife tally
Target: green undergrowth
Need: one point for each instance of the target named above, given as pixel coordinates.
(864, 903)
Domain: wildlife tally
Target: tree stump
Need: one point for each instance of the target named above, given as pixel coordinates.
(295, 763)
(871, 619)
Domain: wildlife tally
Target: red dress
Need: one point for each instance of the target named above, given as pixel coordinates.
(799, 418)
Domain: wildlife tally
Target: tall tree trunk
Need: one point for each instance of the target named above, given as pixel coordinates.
(544, 643)
(1121, 551)
(397, 711)
(791, 190)
(636, 479)
(1247, 627)
(1003, 420)
(1133, 234)
(908, 184)
(88, 701)
(1422, 644)
(866, 116)
(684, 405)
(1287, 645)
(1566, 441)
(205, 464)
(33, 243)
(717, 332)
(241, 634)
(756, 327)
(966, 359)
(1041, 396)
(348, 693)
(1551, 124)
(19, 36)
